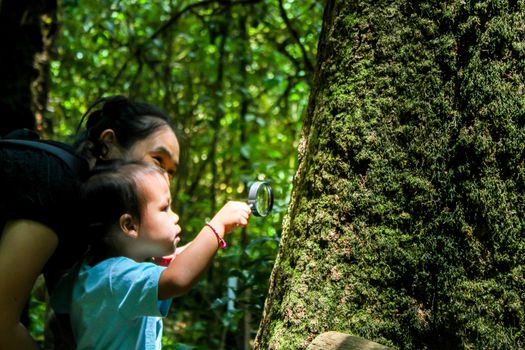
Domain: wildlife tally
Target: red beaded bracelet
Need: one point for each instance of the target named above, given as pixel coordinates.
(222, 242)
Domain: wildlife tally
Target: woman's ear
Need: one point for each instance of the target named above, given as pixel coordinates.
(129, 226)
(109, 138)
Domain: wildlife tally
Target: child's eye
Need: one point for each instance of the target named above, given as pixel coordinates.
(166, 208)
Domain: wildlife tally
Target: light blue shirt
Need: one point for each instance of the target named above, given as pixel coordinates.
(114, 305)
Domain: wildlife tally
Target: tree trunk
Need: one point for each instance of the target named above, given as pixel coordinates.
(21, 26)
(406, 221)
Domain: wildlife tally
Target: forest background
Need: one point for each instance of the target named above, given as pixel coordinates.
(235, 76)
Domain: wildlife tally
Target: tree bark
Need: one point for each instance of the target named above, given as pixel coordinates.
(406, 221)
(341, 341)
(21, 30)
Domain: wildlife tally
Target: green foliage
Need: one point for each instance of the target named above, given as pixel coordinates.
(406, 224)
(37, 310)
(235, 77)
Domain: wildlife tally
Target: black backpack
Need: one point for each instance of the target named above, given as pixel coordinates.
(25, 138)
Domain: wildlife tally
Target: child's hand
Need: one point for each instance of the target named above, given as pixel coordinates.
(232, 215)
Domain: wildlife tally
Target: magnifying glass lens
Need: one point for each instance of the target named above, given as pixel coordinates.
(260, 198)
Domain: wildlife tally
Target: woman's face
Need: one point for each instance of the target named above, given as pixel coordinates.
(160, 148)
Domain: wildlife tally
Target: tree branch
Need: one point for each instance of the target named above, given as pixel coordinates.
(196, 5)
(308, 66)
(137, 52)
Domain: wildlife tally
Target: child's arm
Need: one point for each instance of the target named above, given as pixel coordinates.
(184, 271)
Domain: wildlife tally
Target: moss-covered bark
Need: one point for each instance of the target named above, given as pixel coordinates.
(406, 224)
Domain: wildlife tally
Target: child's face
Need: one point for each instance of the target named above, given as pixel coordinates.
(158, 230)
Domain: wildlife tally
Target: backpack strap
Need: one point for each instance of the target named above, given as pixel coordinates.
(75, 163)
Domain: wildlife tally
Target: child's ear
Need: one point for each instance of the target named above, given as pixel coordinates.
(129, 226)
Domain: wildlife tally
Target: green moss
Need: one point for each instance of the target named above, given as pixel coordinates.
(406, 223)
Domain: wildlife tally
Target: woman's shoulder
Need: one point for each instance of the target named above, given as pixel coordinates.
(30, 142)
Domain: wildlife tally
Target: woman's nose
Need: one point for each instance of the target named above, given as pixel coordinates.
(176, 218)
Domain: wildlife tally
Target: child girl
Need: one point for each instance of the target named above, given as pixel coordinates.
(117, 296)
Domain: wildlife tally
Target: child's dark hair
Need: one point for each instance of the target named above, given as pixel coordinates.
(131, 121)
(111, 191)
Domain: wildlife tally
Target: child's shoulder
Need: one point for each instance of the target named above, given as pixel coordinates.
(117, 260)
(118, 265)
(119, 274)
(108, 265)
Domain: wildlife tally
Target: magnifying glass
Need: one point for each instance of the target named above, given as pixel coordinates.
(260, 198)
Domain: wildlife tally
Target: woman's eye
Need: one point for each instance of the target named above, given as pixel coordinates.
(157, 161)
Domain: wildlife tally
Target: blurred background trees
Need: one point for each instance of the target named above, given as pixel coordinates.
(235, 76)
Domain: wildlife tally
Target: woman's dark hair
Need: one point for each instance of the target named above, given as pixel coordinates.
(112, 190)
(131, 121)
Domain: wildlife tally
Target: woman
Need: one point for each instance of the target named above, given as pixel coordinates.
(38, 196)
